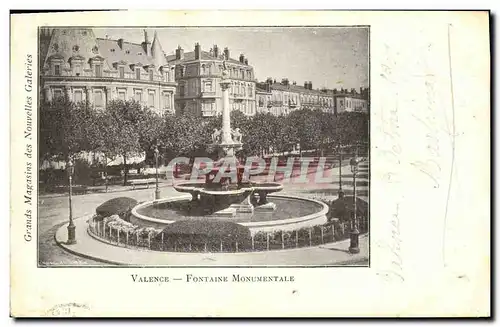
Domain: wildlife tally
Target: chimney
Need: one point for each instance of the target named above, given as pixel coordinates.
(216, 51)
(179, 53)
(269, 80)
(226, 53)
(306, 85)
(197, 51)
(361, 90)
(146, 45)
(246, 61)
(294, 83)
(242, 58)
(310, 85)
(120, 43)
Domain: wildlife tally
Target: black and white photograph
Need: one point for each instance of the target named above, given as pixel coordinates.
(203, 146)
(250, 163)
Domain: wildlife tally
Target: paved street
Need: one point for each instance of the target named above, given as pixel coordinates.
(53, 210)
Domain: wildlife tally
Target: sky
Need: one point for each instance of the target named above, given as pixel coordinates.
(328, 56)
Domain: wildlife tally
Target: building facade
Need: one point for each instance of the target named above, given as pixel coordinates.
(263, 98)
(76, 64)
(352, 101)
(283, 97)
(198, 74)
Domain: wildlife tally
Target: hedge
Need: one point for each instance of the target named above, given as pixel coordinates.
(118, 206)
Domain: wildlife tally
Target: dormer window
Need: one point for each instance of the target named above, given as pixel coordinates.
(112, 50)
(151, 75)
(57, 70)
(139, 53)
(138, 73)
(78, 70)
(127, 52)
(98, 70)
(121, 72)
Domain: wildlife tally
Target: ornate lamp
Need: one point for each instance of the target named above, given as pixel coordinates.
(157, 190)
(71, 226)
(354, 246)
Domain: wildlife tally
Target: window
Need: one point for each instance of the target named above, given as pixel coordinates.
(151, 75)
(249, 90)
(208, 86)
(151, 99)
(181, 90)
(137, 73)
(122, 95)
(121, 71)
(78, 70)
(77, 96)
(243, 90)
(138, 96)
(98, 99)
(57, 94)
(242, 74)
(98, 70)
(166, 100)
(57, 70)
(112, 50)
(167, 76)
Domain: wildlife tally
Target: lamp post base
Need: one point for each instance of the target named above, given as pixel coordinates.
(354, 246)
(71, 234)
(157, 194)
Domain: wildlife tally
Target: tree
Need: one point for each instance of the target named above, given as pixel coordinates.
(185, 135)
(352, 128)
(63, 129)
(306, 127)
(327, 127)
(127, 116)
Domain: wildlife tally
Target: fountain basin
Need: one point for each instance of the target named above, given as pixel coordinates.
(292, 213)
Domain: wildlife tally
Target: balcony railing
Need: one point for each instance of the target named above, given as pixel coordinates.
(208, 94)
(209, 113)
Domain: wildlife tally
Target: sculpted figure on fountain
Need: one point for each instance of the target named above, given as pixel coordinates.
(216, 136)
(236, 135)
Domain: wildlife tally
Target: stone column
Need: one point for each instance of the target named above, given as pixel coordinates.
(88, 92)
(67, 89)
(108, 94)
(226, 122)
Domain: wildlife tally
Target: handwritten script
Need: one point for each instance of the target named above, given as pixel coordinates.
(394, 272)
(428, 164)
(391, 148)
(391, 151)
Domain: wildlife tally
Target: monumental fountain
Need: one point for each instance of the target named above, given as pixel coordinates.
(225, 204)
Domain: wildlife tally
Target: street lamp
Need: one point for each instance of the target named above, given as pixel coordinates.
(157, 190)
(71, 225)
(354, 246)
(341, 192)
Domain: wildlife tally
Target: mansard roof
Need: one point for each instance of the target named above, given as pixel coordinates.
(190, 56)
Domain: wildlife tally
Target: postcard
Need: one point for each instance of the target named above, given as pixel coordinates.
(250, 164)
